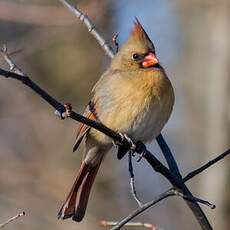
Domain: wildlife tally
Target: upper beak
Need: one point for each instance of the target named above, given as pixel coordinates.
(149, 60)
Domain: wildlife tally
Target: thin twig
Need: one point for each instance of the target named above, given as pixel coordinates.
(162, 196)
(105, 223)
(187, 178)
(132, 183)
(12, 219)
(13, 67)
(143, 208)
(90, 26)
(207, 165)
(193, 198)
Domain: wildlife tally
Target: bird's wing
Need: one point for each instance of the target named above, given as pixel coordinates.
(100, 90)
(83, 129)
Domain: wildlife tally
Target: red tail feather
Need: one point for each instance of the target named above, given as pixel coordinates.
(76, 202)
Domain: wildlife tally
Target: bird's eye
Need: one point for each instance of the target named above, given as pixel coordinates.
(136, 56)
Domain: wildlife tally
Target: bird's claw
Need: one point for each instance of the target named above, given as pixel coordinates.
(68, 110)
(124, 137)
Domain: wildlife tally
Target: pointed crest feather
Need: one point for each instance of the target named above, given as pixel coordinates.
(138, 31)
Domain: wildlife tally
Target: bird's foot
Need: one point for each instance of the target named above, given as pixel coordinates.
(125, 138)
(64, 111)
(68, 110)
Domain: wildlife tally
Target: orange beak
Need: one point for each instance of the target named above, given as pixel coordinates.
(149, 60)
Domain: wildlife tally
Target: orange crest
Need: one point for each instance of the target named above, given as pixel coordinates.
(138, 31)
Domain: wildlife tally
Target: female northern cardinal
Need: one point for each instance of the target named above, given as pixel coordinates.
(135, 97)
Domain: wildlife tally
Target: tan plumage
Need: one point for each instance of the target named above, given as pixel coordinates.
(135, 97)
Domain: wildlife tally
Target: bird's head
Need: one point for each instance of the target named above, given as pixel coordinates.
(138, 52)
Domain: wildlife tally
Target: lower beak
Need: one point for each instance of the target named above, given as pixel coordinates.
(149, 60)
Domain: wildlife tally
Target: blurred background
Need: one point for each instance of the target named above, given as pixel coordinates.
(37, 166)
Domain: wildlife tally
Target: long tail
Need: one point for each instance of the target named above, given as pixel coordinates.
(76, 202)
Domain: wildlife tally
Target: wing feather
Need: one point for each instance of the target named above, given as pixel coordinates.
(84, 129)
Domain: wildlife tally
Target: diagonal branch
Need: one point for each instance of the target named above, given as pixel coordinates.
(207, 165)
(187, 178)
(90, 26)
(168, 156)
(162, 196)
(105, 223)
(132, 183)
(2, 225)
(143, 208)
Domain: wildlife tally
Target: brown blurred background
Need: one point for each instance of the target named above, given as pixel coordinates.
(37, 166)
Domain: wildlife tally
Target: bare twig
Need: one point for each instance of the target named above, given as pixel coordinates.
(193, 198)
(132, 183)
(143, 208)
(12, 219)
(174, 192)
(90, 26)
(162, 196)
(207, 165)
(105, 223)
(13, 67)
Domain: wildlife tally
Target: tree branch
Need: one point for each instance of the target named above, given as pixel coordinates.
(12, 219)
(162, 196)
(90, 26)
(143, 208)
(207, 165)
(187, 178)
(105, 223)
(132, 182)
(168, 156)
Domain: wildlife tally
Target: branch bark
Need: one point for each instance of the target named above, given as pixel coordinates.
(2, 225)
(207, 165)
(169, 193)
(90, 26)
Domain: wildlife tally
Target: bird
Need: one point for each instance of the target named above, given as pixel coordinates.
(134, 97)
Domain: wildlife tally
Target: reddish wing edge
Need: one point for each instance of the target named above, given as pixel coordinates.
(84, 129)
